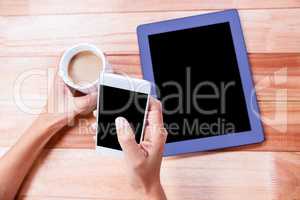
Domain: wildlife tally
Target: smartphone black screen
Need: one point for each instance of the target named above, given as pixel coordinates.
(198, 81)
(116, 102)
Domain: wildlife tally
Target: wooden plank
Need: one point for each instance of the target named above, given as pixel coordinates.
(281, 127)
(275, 75)
(116, 32)
(86, 175)
(15, 121)
(23, 7)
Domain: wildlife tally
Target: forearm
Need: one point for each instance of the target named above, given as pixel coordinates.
(16, 163)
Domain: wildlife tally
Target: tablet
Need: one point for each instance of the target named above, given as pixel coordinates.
(200, 71)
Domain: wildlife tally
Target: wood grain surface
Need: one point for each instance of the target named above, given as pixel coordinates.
(22, 7)
(33, 36)
(227, 175)
(270, 30)
(279, 102)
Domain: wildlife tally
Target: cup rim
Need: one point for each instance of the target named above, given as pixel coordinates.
(67, 57)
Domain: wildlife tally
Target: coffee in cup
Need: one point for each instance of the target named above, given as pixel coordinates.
(84, 68)
(81, 66)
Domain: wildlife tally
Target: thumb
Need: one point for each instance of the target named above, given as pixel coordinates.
(126, 137)
(85, 104)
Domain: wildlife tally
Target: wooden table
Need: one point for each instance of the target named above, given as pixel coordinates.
(33, 35)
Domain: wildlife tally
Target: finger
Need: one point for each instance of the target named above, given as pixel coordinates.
(85, 104)
(156, 134)
(155, 131)
(158, 139)
(95, 113)
(146, 145)
(147, 134)
(154, 104)
(94, 126)
(126, 138)
(155, 112)
(155, 118)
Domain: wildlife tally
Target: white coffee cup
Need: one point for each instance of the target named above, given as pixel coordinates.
(66, 59)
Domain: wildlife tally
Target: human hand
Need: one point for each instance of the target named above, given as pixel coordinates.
(62, 105)
(144, 160)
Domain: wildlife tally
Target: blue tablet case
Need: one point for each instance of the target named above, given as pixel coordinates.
(255, 134)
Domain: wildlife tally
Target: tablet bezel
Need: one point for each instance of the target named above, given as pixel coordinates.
(255, 135)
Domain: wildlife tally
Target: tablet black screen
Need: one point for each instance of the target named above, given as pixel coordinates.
(198, 82)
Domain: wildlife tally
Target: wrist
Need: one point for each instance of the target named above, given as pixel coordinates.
(50, 123)
(155, 192)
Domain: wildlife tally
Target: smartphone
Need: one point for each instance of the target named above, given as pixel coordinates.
(120, 96)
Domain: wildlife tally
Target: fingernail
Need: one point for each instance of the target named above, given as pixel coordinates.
(121, 122)
(95, 113)
(94, 126)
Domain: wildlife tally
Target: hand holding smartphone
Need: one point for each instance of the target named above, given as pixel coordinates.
(120, 96)
(127, 102)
